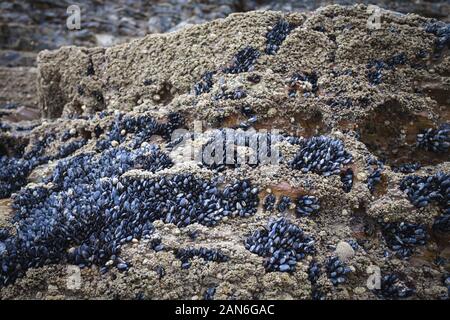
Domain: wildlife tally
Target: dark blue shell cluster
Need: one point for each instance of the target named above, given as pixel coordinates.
(209, 293)
(408, 167)
(422, 191)
(375, 168)
(336, 270)
(206, 254)
(322, 155)
(314, 271)
(375, 67)
(276, 36)
(307, 205)
(435, 140)
(393, 288)
(269, 202)
(310, 77)
(442, 32)
(446, 282)
(205, 84)
(403, 237)
(91, 212)
(347, 180)
(86, 210)
(281, 243)
(142, 128)
(442, 223)
(243, 61)
(283, 204)
(220, 151)
(230, 95)
(16, 169)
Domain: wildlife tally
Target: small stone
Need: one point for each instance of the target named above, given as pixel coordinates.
(344, 251)
(72, 131)
(52, 289)
(123, 132)
(361, 176)
(114, 143)
(272, 112)
(359, 290)
(109, 263)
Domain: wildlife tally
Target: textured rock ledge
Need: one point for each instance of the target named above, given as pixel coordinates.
(374, 90)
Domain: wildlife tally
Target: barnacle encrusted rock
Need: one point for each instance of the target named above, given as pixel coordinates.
(361, 118)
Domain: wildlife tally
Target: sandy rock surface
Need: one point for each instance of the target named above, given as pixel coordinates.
(373, 90)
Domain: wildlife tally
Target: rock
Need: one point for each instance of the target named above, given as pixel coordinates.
(109, 263)
(52, 289)
(310, 86)
(344, 251)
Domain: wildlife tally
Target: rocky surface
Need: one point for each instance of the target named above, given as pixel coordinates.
(27, 27)
(359, 199)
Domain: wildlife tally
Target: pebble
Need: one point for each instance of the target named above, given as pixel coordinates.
(109, 263)
(344, 251)
(361, 176)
